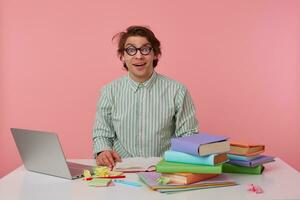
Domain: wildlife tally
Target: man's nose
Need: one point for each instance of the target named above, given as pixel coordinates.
(138, 54)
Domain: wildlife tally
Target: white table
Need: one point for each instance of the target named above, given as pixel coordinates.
(279, 181)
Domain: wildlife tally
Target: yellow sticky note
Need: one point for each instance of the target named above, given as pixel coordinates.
(87, 173)
(101, 171)
(163, 180)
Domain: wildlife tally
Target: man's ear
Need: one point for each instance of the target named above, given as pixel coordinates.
(122, 58)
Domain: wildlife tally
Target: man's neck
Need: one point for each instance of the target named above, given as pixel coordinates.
(141, 80)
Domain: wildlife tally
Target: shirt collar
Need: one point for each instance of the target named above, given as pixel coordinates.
(147, 84)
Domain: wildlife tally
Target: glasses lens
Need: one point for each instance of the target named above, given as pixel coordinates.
(131, 50)
(145, 50)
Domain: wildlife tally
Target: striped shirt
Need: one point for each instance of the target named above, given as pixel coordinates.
(139, 119)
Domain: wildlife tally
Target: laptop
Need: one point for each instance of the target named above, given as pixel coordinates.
(41, 152)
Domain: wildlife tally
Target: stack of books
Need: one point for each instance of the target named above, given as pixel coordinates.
(246, 158)
(193, 162)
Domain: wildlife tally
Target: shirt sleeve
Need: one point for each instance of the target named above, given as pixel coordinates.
(186, 122)
(103, 131)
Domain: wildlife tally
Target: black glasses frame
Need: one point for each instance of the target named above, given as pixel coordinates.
(138, 49)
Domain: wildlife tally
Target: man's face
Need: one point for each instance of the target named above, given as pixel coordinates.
(140, 65)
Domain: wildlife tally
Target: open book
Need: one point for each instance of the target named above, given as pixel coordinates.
(137, 164)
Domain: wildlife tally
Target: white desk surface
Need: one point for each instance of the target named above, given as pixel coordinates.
(279, 181)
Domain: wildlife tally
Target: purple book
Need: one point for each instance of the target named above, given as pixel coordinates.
(253, 163)
(151, 180)
(193, 144)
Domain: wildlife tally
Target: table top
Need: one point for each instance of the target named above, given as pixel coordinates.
(278, 181)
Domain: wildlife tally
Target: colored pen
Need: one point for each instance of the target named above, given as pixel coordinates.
(111, 177)
(135, 184)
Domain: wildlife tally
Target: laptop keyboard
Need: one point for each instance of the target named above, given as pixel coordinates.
(76, 169)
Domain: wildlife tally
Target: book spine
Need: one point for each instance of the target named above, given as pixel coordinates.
(180, 157)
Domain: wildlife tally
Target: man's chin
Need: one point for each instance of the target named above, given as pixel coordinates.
(140, 68)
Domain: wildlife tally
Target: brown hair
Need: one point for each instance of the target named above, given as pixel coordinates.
(137, 31)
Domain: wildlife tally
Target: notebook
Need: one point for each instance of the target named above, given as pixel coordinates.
(137, 164)
(41, 152)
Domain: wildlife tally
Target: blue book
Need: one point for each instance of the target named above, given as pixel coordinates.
(244, 158)
(180, 157)
(253, 163)
(201, 144)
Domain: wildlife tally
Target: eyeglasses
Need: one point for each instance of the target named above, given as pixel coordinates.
(131, 50)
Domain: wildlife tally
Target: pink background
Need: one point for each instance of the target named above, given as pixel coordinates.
(239, 59)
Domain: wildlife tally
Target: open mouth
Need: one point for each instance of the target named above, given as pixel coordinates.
(139, 64)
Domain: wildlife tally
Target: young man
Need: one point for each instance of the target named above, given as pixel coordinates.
(139, 113)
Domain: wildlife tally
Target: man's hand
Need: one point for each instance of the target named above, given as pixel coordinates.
(108, 158)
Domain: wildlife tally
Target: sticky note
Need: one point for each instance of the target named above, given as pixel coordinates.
(99, 182)
(101, 171)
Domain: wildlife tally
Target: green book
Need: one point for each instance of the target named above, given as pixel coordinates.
(173, 167)
(230, 168)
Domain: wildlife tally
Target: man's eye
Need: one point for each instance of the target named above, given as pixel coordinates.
(131, 49)
(145, 49)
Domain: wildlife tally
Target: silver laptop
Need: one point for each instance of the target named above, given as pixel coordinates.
(41, 152)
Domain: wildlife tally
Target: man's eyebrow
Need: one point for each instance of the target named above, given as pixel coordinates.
(146, 44)
(128, 44)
